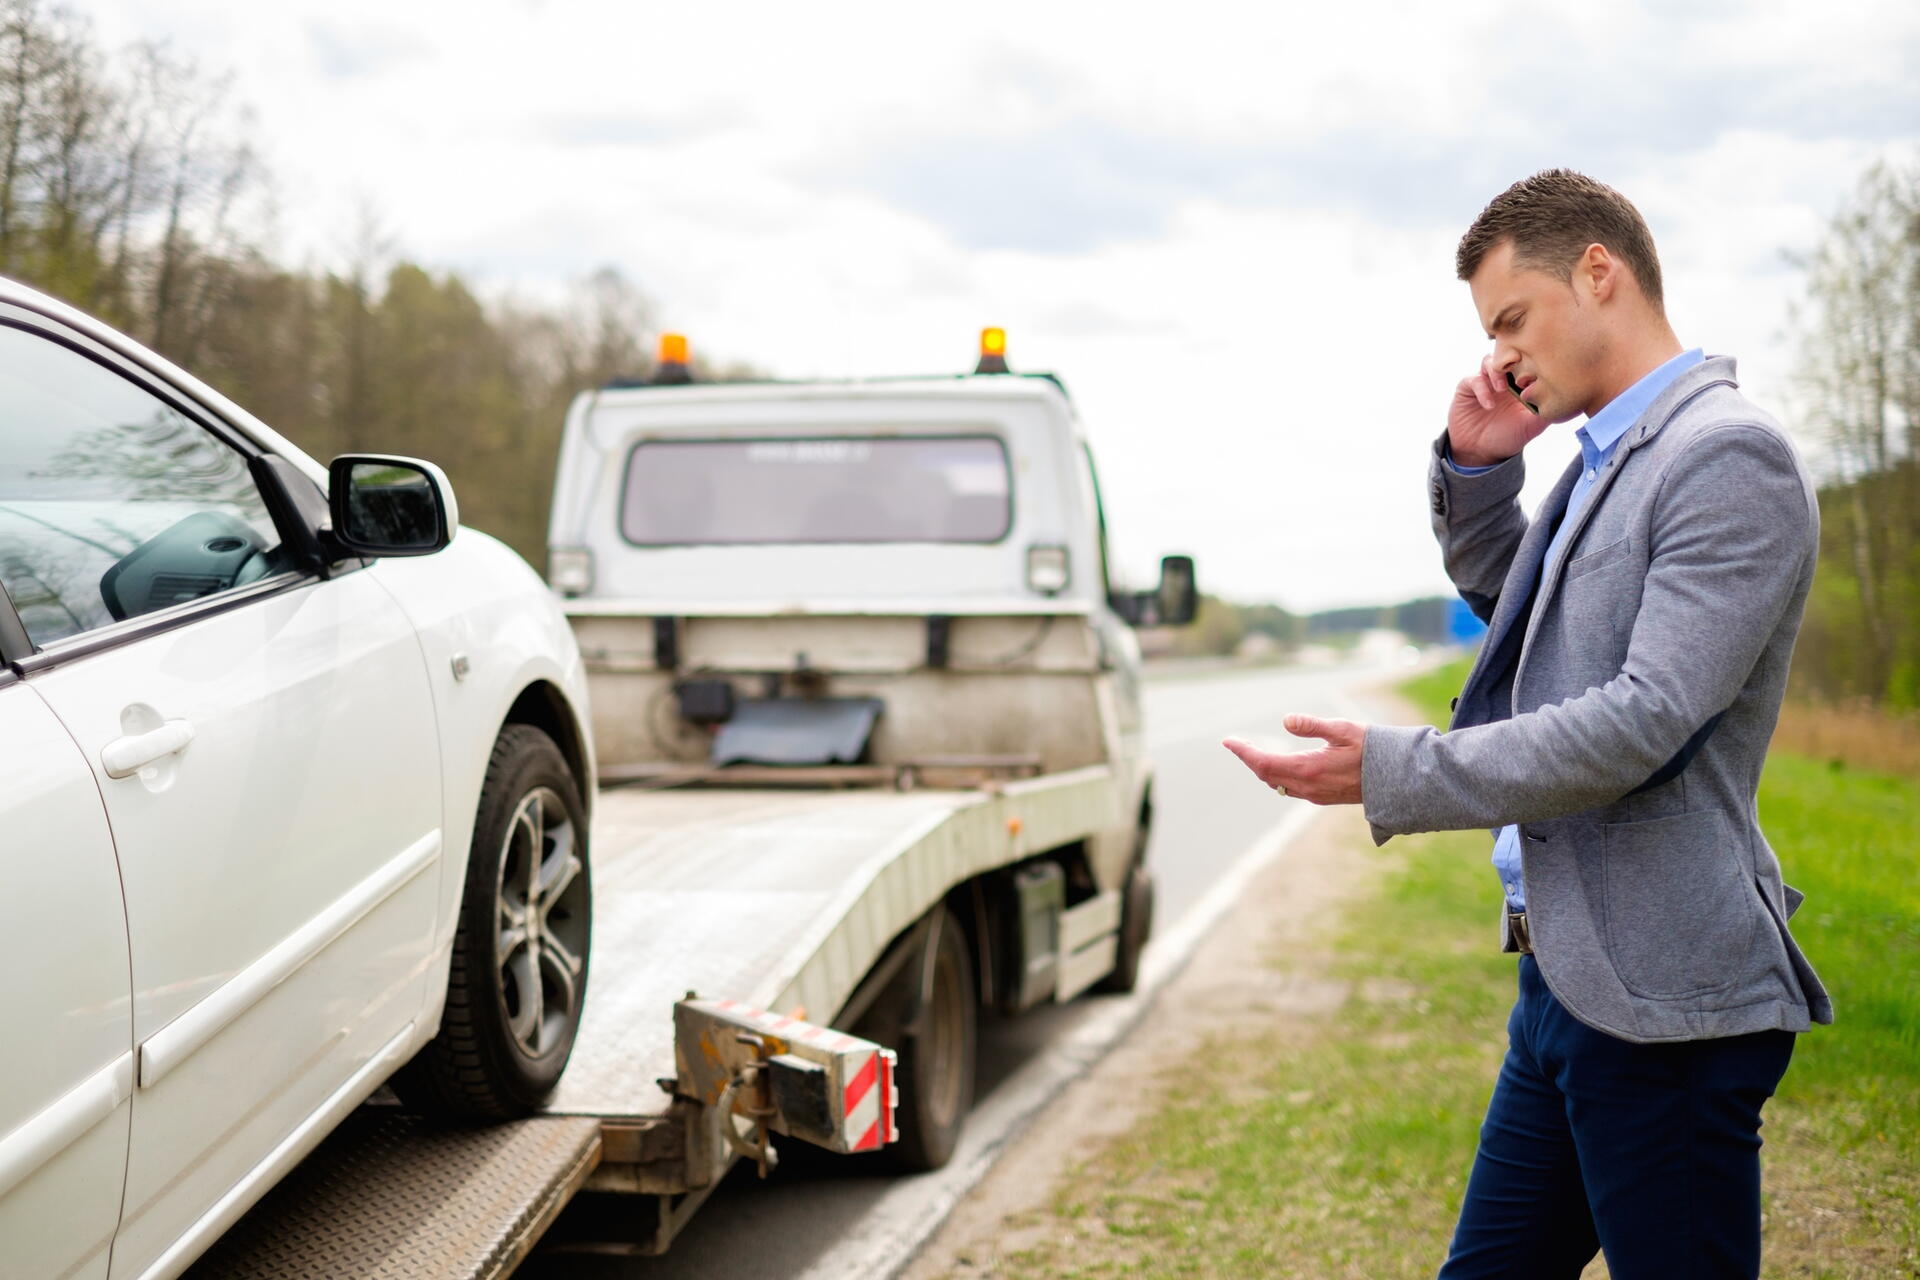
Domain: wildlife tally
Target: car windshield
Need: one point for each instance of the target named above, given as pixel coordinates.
(817, 489)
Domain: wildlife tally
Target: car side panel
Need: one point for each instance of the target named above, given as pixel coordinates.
(279, 875)
(479, 602)
(67, 1071)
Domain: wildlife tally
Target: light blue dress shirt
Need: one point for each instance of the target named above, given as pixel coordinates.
(1599, 437)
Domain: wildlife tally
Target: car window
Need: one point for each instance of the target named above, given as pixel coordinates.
(112, 502)
(818, 489)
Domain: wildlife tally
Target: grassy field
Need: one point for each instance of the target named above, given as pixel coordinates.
(1342, 1150)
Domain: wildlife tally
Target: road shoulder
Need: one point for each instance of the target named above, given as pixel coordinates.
(1265, 963)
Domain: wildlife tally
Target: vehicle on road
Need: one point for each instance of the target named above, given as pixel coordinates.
(866, 715)
(295, 788)
(867, 707)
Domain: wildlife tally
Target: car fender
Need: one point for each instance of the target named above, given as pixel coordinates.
(492, 636)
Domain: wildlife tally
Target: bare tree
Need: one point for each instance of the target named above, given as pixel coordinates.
(1860, 384)
(129, 186)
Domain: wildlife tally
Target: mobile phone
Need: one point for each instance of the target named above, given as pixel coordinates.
(1514, 387)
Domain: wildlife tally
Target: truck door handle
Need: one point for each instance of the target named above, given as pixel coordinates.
(124, 757)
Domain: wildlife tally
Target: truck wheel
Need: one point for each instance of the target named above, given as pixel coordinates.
(935, 1072)
(1136, 926)
(519, 971)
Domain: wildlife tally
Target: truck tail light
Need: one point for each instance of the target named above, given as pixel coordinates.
(570, 570)
(1048, 569)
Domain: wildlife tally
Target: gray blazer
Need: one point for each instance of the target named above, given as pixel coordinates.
(1620, 713)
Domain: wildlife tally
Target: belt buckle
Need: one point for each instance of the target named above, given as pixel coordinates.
(1522, 937)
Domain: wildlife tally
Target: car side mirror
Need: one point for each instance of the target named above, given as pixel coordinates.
(1172, 604)
(389, 506)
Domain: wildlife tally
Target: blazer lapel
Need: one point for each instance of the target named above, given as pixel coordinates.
(1524, 573)
(1517, 592)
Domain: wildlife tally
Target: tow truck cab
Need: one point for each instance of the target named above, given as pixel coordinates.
(936, 545)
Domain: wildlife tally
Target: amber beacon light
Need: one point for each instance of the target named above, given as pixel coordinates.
(993, 351)
(671, 364)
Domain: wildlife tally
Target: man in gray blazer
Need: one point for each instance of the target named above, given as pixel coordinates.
(1611, 734)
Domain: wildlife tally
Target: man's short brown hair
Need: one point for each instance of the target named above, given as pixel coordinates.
(1551, 218)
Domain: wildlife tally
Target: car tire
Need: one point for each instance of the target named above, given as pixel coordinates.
(936, 1042)
(1136, 925)
(519, 974)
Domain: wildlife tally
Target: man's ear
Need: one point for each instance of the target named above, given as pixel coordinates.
(1599, 272)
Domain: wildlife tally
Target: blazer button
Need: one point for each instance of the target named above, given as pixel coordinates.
(1533, 834)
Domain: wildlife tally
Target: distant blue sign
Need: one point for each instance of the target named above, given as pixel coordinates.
(1462, 626)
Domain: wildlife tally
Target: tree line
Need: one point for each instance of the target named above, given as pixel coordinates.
(1222, 627)
(129, 187)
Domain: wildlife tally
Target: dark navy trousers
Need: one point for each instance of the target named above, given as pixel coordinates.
(1650, 1152)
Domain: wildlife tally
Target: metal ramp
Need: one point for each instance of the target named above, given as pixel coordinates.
(727, 893)
(389, 1196)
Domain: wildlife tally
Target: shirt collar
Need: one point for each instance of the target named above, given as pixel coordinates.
(1600, 433)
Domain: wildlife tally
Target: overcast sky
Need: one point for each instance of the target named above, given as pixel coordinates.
(1230, 228)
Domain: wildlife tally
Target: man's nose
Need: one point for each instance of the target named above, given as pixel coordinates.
(1505, 357)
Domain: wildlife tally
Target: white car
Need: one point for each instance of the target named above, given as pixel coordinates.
(294, 789)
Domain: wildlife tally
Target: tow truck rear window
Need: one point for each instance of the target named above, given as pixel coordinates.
(817, 489)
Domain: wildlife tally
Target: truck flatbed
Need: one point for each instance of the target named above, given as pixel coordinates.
(781, 900)
(777, 899)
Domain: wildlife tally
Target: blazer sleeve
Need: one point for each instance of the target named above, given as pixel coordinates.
(1478, 522)
(1731, 535)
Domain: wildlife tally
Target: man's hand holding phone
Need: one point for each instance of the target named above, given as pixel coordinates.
(1488, 421)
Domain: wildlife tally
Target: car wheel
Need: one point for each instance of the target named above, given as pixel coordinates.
(1136, 925)
(519, 973)
(935, 1039)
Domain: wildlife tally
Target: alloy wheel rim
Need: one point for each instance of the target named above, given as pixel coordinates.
(541, 921)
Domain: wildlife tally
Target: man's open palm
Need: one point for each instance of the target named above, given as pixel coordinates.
(1326, 775)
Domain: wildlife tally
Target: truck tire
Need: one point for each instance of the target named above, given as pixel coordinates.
(519, 973)
(935, 1039)
(1136, 926)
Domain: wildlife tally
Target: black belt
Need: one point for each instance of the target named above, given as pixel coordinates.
(1522, 937)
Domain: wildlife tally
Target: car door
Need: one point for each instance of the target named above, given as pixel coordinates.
(265, 746)
(67, 1073)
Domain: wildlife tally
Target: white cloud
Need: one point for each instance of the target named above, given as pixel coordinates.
(1229, 227)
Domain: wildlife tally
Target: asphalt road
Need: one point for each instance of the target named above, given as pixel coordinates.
(828, 1216)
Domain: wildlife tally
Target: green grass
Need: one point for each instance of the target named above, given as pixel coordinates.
(1338, 1145)
(1843, 1163)
(1431, 692)
(1848, 840)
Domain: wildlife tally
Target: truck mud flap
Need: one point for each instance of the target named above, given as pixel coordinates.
(1089, 941)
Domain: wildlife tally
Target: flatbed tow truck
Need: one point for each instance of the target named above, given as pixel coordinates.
(867, 715)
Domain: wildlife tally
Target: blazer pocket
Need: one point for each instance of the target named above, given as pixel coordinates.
(1679, 907)
(1600, 559)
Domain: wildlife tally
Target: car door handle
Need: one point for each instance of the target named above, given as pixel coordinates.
(124, 757)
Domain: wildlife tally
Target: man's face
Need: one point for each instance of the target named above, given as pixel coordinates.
(1543, 333)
